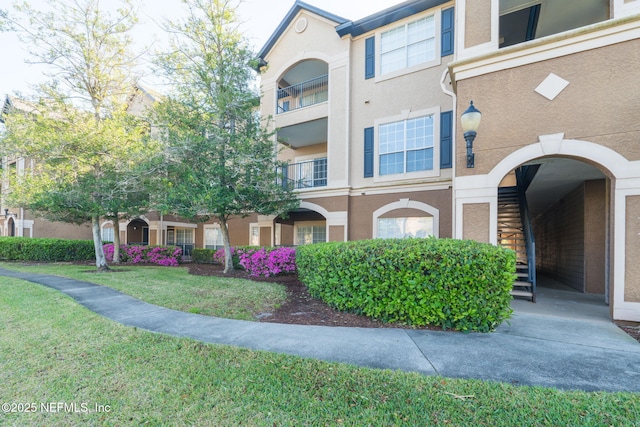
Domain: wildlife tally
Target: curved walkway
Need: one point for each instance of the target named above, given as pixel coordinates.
(530, 350)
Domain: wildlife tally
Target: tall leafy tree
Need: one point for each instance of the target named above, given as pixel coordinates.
(85, 151)
(221, 159)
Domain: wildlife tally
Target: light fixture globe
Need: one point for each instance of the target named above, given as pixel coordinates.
(470, 121)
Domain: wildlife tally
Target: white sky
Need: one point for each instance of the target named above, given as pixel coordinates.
(260, 19)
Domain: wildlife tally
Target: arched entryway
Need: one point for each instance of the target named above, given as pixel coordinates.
(476, 207)
(138, 232)
(311, 223)
(567, 216)
(11, 227)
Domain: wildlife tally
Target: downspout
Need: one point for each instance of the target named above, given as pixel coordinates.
(21, 233)
(446, 91)
(161, 236)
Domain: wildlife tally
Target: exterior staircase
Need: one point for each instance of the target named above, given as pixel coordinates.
(512, 234)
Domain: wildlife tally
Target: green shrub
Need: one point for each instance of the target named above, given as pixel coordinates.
(202, 256)
(458, 284)
(45, 250)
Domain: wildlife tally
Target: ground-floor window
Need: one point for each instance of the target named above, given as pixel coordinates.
(181, 237)
(213, 237)
(254, 234)
(309, 234)
(107, 234)
(389, 228)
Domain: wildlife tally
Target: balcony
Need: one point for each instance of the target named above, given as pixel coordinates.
(305, 175)
(521, 21)
(304, 94)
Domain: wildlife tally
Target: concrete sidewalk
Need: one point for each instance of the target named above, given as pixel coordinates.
(532, 349)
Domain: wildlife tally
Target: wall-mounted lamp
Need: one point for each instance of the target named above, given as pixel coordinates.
(470, 121)
(7, 214)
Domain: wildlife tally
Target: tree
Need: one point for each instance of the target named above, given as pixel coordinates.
(221, 159)
(86, 152)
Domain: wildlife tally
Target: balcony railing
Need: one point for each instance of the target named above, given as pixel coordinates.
(303, 94)
(308, 174)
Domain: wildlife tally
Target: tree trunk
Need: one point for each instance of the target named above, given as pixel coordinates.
(228, 259)
(116, 240)
(101, 261)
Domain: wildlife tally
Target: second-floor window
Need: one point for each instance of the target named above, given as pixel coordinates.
(408, 45)
(406, 146)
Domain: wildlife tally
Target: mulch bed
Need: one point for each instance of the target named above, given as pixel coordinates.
(302, 309)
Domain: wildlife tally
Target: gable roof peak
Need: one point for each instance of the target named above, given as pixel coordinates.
(293, 12)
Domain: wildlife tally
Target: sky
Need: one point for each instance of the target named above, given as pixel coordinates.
(259, 20)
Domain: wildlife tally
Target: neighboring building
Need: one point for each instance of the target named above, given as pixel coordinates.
(367, 112)
(18, 221)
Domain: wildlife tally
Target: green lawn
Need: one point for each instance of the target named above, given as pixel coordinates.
(54, 351)
(174, 287)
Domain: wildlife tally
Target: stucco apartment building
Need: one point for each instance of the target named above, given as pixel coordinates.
(367, 114)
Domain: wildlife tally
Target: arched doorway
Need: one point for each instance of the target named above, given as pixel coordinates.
(311, 223)
(560, 226)
(11, 227)
(476, 205)
(138, 232)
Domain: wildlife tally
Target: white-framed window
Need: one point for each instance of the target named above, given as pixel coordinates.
(254, 234)
(180, 236)
(408, 45)
(107, 234)
(184, 236)
(309, 234)
(406, 146)
(397, 228)
(213, 237)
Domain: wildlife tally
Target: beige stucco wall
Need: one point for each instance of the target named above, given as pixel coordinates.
(378, 98)
(477, 22)
(598, 105)
(290, 154)
(632, 250)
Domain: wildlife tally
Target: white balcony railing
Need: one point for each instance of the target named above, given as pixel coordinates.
(303, 94)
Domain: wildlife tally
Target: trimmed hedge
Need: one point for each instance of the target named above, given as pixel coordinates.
(202, 256)
(454, 284)
(45, 250)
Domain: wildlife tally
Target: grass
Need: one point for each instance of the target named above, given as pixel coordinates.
(53, 350)
(174, 287)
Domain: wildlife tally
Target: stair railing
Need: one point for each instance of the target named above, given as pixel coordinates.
(523, 179)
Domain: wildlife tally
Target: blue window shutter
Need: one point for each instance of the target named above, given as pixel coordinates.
(370, 58)
(368, 152)
(447, 39)
(446, 139)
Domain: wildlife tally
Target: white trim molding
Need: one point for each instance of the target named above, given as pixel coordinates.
(622, 8)
(338, 218)
(407, 204)
(582, 39)
(625, 175)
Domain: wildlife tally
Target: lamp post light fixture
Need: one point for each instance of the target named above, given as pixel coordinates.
(470, 121)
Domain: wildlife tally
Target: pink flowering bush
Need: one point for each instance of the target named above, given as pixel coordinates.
(263, 262)
(168, 256)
